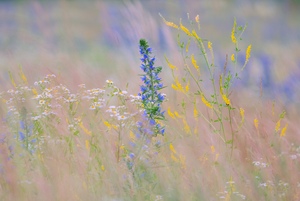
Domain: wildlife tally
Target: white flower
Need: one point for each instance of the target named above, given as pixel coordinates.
(109, 82)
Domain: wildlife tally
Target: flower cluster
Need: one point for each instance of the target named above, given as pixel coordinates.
(150, 95)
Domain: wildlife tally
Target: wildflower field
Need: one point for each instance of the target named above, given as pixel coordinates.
(161, 106)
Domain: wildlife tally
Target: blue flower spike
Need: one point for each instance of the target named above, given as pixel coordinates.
(150, 95)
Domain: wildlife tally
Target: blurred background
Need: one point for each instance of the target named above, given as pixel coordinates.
(91, 41)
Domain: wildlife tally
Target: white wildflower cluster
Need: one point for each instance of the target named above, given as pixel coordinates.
(73, 126)
(265, 184)
(95, 96)
(118, 112)
(46, 80)
(259, 164)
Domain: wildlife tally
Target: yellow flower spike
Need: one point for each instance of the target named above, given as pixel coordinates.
(194, 62)
(172, 148)
(283, 131)
(255, 121)
(248, 53)
(132, 136)
(233, 38)
(187, 87)
(186, 126)
(102, 167)
(185, 30)
(242, 113)
(194, 33)
(177, 115)
(169, 64)
(87, 131)
(107, 124)
(170, 24)
(232, 58)
(87, 145)
(224, 97)
(277, 127)
(195, 112)
(174, 87)
(206, 102)
(226, 100)
(34, 91)
(23, 77)
(171, 114)
(209, 45)
(177, 86)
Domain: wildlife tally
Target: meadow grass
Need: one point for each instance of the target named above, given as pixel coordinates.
(197, 139)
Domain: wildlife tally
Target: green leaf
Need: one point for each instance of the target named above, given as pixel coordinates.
(282, 115)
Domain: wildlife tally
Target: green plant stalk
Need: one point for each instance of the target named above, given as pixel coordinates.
(201, 45)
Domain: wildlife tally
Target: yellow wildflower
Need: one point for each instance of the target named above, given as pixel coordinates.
(177, 115)
(194, 62)
(169, 64)
(23, 77)
(209, 45)
(233, 38)
(256, 123)
(205, 101)
(283, 131)
(224, 97)
(185, 30)
(226, 100)
(232, 57)
(187, 87)
(195, 112)
(102, 167)
(196, 35)
(177, 86)
(170, 114)
(107, 124)
(248, 53)
(84, 129)
(172, 148)
(242, 112)
(277, 127)
(186, 126)
(132, 136)
(34, 91)
(170, 24)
